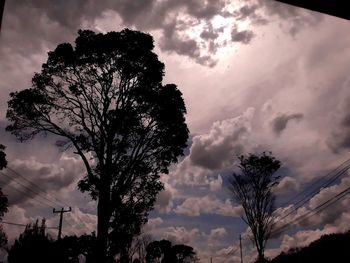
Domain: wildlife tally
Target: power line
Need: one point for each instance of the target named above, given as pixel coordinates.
(337, 173)
(44, 204)
(304, 201)
(23, 225)
(60, 203)
(29, 189)
(313, 212)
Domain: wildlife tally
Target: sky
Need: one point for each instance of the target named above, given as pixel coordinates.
(256, 75)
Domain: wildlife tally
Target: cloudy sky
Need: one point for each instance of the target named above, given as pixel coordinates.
(256, 76)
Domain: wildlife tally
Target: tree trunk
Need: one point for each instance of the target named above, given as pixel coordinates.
(103, 217)
(261, 257)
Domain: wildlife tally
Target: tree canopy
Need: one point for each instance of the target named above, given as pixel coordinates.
(105, 98)
(164, 252)
(252, 188)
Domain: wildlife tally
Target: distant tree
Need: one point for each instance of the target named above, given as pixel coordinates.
(139, 246)
(159, 251)
(163, 252)
(105, 98)
(184, 254)
(70, 249)
(33, 245)
(252, 188)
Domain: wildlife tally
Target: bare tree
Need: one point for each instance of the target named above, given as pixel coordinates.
(252, 188)
(139, 245)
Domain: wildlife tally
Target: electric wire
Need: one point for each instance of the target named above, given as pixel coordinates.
(313, 212)
(45, 202)
(337, 173)
(24, 225)
(302, 202)
(41, 202)
(58, 202)
(61, 203)
(341, 167)
(29, 189)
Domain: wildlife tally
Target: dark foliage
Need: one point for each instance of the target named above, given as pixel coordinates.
(3, 198)
(163, 252)
(105, 97)
(252, 188)
(328, 249)
(3, 161)
(34, 245)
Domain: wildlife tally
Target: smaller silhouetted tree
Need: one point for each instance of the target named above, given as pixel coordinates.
(252, 188)
(138, 247)
(163, 252)
(3, 198)
(184, 253)
(70, 249)
(33, 245)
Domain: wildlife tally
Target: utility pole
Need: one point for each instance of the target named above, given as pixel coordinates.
(240, 246)
(61, 219)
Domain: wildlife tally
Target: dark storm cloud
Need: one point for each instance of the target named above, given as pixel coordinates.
(292, 19)
(279, 124)
(226, 139)
(243, 37)
(26, 179)
(209, 33)
(251, 12)
(340, 137)
(44, 25)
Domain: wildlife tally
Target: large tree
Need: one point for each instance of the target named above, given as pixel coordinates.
(105, 97)
(252, 188)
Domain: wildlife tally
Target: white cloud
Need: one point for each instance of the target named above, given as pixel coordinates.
(215, 184)
(164, 202)
(181, 235)
(195, 206)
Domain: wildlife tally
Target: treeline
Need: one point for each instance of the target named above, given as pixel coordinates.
(328, 249)
(35, 245)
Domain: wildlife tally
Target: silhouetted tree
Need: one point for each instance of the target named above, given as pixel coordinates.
(33, 245)
(3, 161)
(69, 249)
(3, 198)
(105, 97)
(163, 252)
(159, 251)
(252, 188)
(139, 246)
(184, 254)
